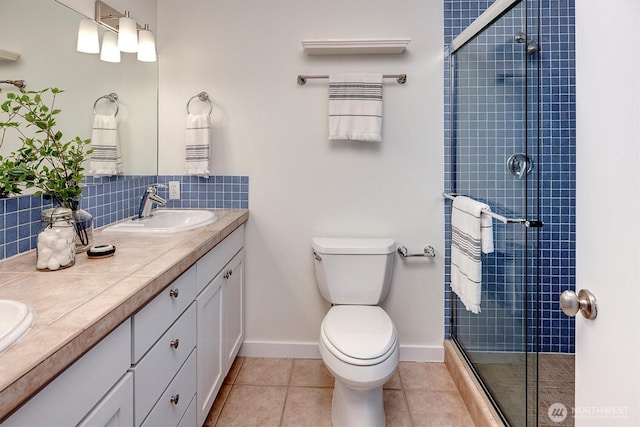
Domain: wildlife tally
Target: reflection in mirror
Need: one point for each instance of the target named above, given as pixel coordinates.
(44, 33)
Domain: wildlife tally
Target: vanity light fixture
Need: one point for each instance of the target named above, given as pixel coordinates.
(127, 34)
(110, 51)
(146, 45)
(88, 41)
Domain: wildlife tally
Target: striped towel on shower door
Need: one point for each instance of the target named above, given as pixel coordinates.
(471, 235)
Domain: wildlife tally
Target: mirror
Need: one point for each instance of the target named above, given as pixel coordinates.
(44, 33)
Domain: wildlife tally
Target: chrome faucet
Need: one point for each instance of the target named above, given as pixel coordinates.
(150, 197)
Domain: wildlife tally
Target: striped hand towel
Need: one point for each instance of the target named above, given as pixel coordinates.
(198, 142)
(105, 159)
(355, 106)
(471, 234)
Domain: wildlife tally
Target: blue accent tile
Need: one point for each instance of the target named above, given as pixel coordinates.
(502, 324)
(111, 199)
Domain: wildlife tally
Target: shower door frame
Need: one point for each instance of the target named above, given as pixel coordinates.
(531, 230)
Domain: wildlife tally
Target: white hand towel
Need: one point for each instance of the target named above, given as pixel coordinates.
(471, 234)
(105, 159)
(355, 106)
(198, 142)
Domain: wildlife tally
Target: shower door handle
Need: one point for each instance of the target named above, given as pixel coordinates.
(584, 302)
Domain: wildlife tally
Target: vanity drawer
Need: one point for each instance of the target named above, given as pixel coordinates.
(160, 364)
(177, 398)
(211, 264)
(155, 317)
(190, 417)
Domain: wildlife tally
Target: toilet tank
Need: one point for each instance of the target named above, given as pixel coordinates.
(353, 270)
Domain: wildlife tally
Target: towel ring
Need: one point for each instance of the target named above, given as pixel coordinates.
(112, 97)
(203, 97)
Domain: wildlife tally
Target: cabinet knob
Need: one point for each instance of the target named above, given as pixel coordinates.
(227, 274)
(175, 399)
(175, 343)
(174, 293)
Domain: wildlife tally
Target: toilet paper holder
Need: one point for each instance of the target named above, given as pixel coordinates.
(429, 252)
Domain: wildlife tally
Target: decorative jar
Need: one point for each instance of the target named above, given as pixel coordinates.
(56, 241)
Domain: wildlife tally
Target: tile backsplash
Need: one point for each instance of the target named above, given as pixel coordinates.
(112, 199)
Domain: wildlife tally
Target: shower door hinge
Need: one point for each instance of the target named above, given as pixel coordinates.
(533, 224)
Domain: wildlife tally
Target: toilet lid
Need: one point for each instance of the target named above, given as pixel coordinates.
(360, 332)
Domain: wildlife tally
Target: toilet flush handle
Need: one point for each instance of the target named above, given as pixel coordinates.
(316, 256)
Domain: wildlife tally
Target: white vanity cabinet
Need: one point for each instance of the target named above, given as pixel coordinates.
(96, 390)
(165, 364)
(220, 319)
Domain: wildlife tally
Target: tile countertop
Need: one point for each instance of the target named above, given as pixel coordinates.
(76, 307)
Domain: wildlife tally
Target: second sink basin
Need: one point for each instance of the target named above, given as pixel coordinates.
(166, 221)
(15, 319)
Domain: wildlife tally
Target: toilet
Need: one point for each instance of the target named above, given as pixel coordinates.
(358, 341)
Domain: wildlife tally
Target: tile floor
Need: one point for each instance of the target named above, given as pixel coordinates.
(297, 392)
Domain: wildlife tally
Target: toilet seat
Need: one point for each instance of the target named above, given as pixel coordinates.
(359, 335)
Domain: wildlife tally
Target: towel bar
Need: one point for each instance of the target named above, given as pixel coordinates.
(400, 78)
(429, 251)
(203, 97)
(503, 219)
(111, 97)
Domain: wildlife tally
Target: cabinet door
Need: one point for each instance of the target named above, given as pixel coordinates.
(232, 309)
(209, 366)
(72, 395)
(115, 409)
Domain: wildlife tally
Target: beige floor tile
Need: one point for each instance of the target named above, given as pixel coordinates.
(256, 371)
(310, 373)
(438, 409)
(426, 376)
(253, 406)
(396, 409)
(306, 406)
(218, 404)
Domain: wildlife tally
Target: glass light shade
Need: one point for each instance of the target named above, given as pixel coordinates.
(110, 51)
(146, 46)
(127, 35)
(88, 41)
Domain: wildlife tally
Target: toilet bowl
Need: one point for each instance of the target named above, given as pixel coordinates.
(359, 346)
(358, 341)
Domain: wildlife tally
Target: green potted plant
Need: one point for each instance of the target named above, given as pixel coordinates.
(44, 161)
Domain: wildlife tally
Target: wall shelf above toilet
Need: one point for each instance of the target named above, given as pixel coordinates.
(355, 46)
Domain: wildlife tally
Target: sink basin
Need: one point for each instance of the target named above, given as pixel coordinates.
(15, 319)
(165, 221)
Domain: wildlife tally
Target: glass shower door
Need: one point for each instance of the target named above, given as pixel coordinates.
(494, 160)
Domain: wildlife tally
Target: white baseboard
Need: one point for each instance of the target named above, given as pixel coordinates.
(309, 350)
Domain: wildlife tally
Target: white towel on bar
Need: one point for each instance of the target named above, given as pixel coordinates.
(198, 143)
(355, 106)
(471, 235)
(105, 158)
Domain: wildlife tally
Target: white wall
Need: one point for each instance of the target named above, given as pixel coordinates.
(247, 55)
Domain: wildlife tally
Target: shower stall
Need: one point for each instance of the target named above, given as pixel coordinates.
(500, 151)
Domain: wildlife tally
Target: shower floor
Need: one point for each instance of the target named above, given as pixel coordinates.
(504, 376)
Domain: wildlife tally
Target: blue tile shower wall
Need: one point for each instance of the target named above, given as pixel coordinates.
(556, 250)
(116, 198)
